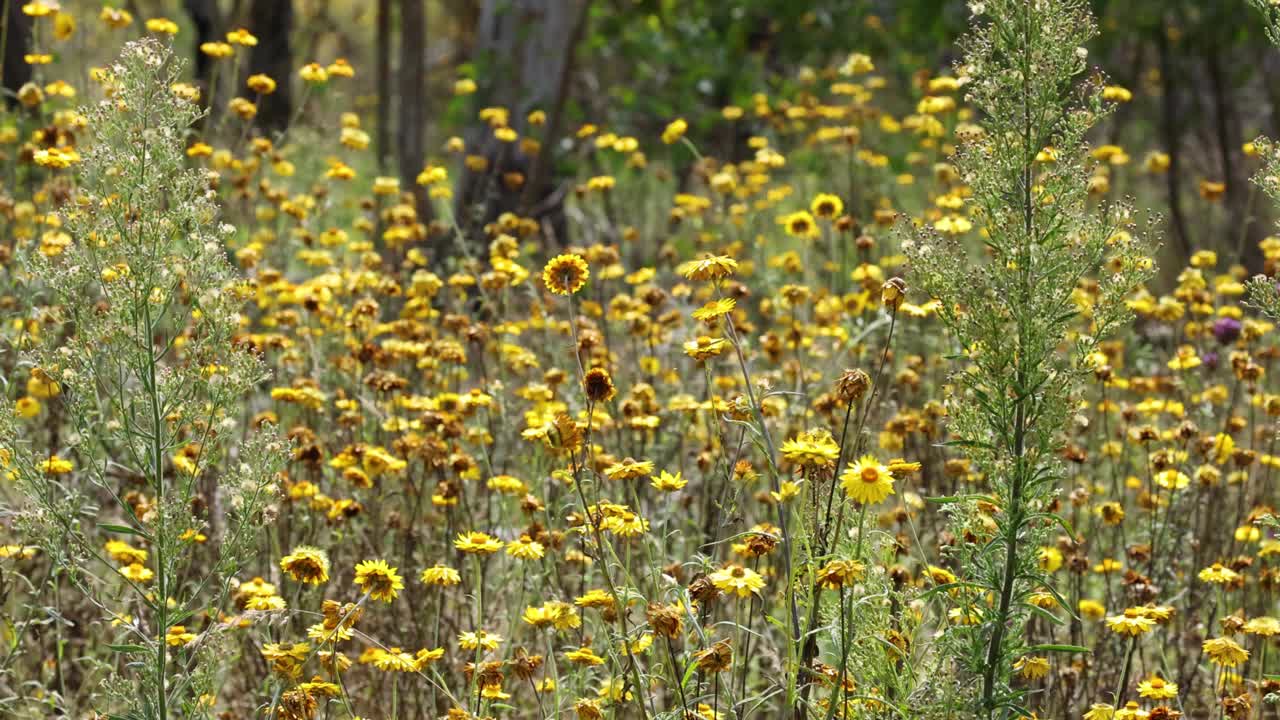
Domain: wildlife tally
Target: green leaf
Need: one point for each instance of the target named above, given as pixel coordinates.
(1048, 616)
(948, 499)
(1059, 648)
(1056, 519)
(952, 586)
(688, 673)
(1062, 602)
(122, 529)
(967, 444)
(127, 649)
(1022, 712)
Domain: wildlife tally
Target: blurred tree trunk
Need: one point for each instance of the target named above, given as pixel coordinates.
(382, 46)
(271, 21)
(538, 186)
(525, 52)
(17, 39)
(1241, 242)
(411, 131)
(204, 14)
(208, 21)
(1171, 136)
(1265, 60)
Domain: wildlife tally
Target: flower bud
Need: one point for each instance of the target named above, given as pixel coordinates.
(893, 292)
(852, 385)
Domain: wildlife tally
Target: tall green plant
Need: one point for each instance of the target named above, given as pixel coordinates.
(1010, 309)
(146, 306)
(1263, 292)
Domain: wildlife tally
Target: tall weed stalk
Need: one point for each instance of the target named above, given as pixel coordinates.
(1011, 309)
(153, 385)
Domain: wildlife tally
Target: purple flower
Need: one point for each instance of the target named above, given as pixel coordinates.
(1226, 330)
(1210, 360)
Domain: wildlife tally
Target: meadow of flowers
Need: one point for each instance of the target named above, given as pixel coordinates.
(886, 415)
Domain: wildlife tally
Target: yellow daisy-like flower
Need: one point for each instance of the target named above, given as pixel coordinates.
(1172, 479)
(1092, 609)
(1156, 613)
(319, 687)
(314, 73)
(243, 37)
(583, 656)
(1185, 359)
(1100, 711)
(704, 348)
(715, 310)
(674, 130)
(395, 660)
(800, 224)
(666, 482)
(55, 466)
(425, 657)
(1218, 574)
(479, 639)
(477, 543)
(162, 26)
(1225, 652)
(441, 575)
(811, 449)
(588, 709)
(712, 267)
(27, 407)
(539, 617)
(137, 573)
(265, 603)
(557, 614)
(565, 274)
(39, 8)
(826, 205)
(839, 573)
(379, 580)
(867, 481)
(737, 579)
(1050, 559)
(1032, 667)
(526, 548)
(41, 385)
(307, 565)
(115, 18)
(261, 84)
(629, 469)
(1131, 623)
(64, 25)
(1157, 688)
(217, 49)
(124, 553)
(177, 636)
(598, 385)
(1264, 626)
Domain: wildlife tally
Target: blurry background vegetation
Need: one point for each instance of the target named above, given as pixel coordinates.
(1202, 73)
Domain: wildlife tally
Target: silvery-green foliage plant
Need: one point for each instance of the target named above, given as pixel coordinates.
(141, 350)
(1010, 305)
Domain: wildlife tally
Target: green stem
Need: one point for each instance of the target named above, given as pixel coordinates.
(862, 524)
(678, 676)
(1124, 676)
(841, 695)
